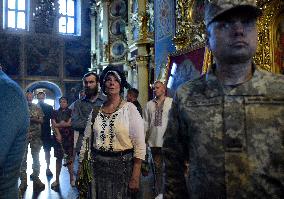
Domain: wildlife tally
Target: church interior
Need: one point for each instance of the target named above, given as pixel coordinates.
(48, 45)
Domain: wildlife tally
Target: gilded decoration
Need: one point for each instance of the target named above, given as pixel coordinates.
(189, 36)
(269, 55)
(190, 28)
(143, 25)
(140, 25)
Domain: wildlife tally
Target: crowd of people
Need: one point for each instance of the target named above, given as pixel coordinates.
(220, 137)
(113, 128)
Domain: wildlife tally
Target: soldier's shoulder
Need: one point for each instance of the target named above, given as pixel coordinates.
(192, 87)
(271, 76)
(274, 83)
(35, 107)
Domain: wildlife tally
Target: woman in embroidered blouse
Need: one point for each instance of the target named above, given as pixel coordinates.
(119, 141)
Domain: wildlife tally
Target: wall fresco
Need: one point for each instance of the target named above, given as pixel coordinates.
(77, 59)
(10, 54)
(43, 56)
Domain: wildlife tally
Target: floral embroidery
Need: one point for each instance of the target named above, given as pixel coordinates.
(107, 133)
(158, 114)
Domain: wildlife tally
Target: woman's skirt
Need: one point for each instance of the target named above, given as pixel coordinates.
(112, 176)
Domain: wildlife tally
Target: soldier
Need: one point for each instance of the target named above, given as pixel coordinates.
(229, 123)
(34, 138)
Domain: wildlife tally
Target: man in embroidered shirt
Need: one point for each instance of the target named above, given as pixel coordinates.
(156, 120)
(229, 123)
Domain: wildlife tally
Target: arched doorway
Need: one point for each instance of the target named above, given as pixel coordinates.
(46, 85)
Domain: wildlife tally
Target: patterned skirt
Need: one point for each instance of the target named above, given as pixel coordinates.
(112, 176)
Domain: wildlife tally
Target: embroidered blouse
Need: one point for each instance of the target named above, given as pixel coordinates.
(122, 130)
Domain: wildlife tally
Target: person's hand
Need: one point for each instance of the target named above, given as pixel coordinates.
(58, 138)
(62, 123)
(134, 185)
(79, 170)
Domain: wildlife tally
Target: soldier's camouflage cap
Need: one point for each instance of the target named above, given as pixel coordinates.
(215, 8)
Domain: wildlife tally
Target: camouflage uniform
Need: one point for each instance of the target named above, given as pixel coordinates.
(233, 138)
(35, 142)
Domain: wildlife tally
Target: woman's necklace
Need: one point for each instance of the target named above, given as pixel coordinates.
(116, 108)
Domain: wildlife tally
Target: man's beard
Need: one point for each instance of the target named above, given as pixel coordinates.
(91, 92)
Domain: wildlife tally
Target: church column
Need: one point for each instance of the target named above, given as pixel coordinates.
(142, 57)
(93, 17)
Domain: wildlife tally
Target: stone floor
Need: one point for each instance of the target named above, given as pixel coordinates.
(66, 191)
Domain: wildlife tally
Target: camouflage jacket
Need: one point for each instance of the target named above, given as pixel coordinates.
(35, 128)
(232, 137)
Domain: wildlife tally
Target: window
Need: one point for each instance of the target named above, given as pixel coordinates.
(68, 16)
(171, 76)
(15, 14)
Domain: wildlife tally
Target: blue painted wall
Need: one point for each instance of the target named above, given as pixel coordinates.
(164, 31)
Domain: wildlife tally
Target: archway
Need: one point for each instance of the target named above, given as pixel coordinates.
(48, 85)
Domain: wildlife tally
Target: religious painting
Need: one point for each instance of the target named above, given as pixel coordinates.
(118, 8)
(118, 27)
(279, 43)
(197, 11)
(118, 49)
(183, 66)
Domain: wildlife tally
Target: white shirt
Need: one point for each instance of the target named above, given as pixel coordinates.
(155, 133)
(122, 130)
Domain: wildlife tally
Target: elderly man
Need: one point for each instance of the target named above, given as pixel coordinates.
(229, 123)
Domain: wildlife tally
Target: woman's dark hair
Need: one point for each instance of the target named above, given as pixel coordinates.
(134, 92)
(114, 71)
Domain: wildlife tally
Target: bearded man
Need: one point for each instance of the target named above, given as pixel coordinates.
(84, 106)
